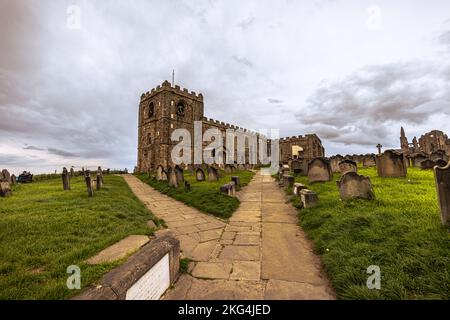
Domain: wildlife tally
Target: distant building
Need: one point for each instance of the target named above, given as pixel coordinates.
(166, 108)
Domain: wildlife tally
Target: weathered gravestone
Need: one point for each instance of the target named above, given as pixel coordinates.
(368, 160)
(200, 174)
(72, 173)
(296, 166)
(441, 163)
(442, 177)
(334, 163)
(229, 189)
(347, 166)
(319, 170)
(179, 174)
(288, 181)
(439, 154)
(88, 180)
(229, 168)
(13, 179)
(187, 186)
(427, 164)
(353, 185)
(391, 164)
(65, 179)
(99, 181)
(161, 174)
(416, 159)
(236, 180)
(172, 176)
(213, 174)
(297, 188)
(308, 198)
(6, 175)
(5, 188)
(100, 173)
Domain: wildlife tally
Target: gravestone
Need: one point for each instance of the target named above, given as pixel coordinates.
(347, 166)
(6, 175)
(172, 176)
(334, 163)
(200, 174)
(442, 177)
(65, 179)
(439, 154)
(179, 174)
(296, 166)
(441, 163)
(236, 180)
(1, 176)
(88, 180)
(427, 164)
(308, 198)
(72, 173)
(288, 181)
(368, 160)
(353, 185)
(213, 174)
(319, 170)
(416, 159)
(228, 168)
(5, 188)
(100, 173)
(391, 164)
(161, 174)
(99, 181)
(13, 179)
(297, 188)
(228, 189)
(187, 186)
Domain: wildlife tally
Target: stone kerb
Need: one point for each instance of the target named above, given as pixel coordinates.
(115, 284)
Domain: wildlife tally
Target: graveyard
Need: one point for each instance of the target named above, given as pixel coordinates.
(399, 230)
(45, 229)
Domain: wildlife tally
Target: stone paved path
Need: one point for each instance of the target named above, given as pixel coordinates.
(260, 253)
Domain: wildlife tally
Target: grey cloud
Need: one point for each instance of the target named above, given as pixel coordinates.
(361, 108)
(444, 38)
(62, 153)
(244, 24)
(33, 148)
(275, 101)
(243, 61)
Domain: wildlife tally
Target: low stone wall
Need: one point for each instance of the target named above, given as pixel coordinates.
(143, 276)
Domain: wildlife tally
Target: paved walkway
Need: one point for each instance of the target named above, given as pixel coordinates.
(260, 253)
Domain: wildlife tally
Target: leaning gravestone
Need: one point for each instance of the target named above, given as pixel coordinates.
(200, 174)
(319, 170)
(6, 175)
(442, 177)
(65, 179)
(179, 174)
(347, 166)
(213, 174)
(297, 188)
(228, 189)
(172, 176)
(353, 185)
(391, 164)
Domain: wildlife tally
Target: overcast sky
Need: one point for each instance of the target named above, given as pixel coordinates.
(351, 71)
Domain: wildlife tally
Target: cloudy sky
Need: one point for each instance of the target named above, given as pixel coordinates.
(72, 72)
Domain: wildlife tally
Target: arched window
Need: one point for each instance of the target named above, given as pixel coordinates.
(151, 110)
(180, 109)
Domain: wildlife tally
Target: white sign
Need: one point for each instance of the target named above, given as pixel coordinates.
(153, 284)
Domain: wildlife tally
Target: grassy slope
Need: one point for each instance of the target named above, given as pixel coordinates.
(400, 231)
(204, 195)
(44, 230)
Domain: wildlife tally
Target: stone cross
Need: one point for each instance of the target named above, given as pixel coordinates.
(379, 146)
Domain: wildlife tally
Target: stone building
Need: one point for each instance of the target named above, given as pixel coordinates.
(166, 108)
(428, 143)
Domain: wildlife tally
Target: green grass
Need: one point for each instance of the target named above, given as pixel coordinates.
(204, 195)
(45, 229)
(400, 231)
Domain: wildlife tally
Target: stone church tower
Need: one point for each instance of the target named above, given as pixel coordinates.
(162, 110)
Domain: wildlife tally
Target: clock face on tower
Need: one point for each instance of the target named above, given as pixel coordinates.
(180, 109)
